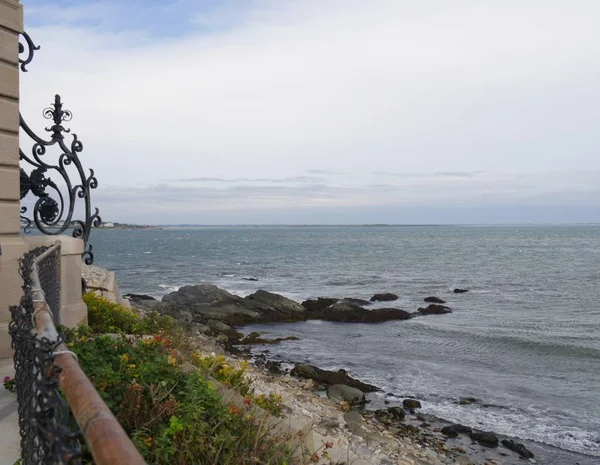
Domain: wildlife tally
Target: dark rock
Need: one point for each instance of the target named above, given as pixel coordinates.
(353, 300)
(218, 327)
(518, 448)
(136, 297)
(250, 279)
(434, 300)
(454, 430)
(319, 304)
(330, 377)
(274, 307)
(384, 297)
(346, 312)
(411, 403)
(485, 438)
(449, 431)
(201, 294)
(460, 291)
(434, 309)
(256, 338)
(466, 400)
(390, 416)
(341, 392)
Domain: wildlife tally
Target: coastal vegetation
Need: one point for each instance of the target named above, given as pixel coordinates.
(164, 391)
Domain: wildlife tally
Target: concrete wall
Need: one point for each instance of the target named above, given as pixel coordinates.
(73, 310)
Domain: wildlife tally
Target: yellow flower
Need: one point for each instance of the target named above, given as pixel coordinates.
(171, 360)
(148, 442)
(131, 366)
(124, 358)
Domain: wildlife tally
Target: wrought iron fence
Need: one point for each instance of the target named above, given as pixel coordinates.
(57, 402)
(55, 201)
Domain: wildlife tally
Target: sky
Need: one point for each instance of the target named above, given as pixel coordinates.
(327, 111)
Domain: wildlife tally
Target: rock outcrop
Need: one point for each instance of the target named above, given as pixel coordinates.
(343, 393)
(460, 291)
(434, 300)
(518, 448)
(384, 297)
(346, 312)
(485, 438)
(435, 309)
(319, 304)
(330, 377)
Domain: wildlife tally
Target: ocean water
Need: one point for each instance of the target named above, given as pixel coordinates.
(525, 341)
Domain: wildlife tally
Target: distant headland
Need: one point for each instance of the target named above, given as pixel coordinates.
(116, 225)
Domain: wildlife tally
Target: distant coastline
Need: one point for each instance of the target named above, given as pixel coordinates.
(121, 226)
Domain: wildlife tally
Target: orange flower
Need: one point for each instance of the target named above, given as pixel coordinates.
(247, 400)
(148, 442)
(233, 410)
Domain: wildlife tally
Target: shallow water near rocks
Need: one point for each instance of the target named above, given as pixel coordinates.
(525, 340)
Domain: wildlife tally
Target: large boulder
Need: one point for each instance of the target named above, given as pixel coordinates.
(343, 393)
(330, 377)
(454, 430)
(201, 294)
(384, 297)
(434, 300)
(411, 403)
(208, 302)
(274, 307)
(346, 312)
(435, 309)
(485, 438)
(518, 448)
(319, 304)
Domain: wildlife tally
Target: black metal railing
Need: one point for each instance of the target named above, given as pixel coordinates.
(55, 201)
(46, 437)
(57, 404)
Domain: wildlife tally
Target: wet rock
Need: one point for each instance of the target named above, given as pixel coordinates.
(453, 431)
(390, 416)
(460, 291)
(384, 297)
(330, 377)
(346, 312)
(353, 300)
(467, 400)
(256, 338)
(319, 304)
(435, 309)
(341, 392)
(434, 300)
(250, 279)
(449, 431)
(485, 438)
(411, 403)
(518, 448)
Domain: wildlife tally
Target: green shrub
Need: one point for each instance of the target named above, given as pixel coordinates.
(108, 317)
(173, 416)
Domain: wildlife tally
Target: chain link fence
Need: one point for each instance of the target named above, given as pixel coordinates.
(48, 434)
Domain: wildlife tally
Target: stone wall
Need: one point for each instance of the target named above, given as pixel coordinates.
(104, 283)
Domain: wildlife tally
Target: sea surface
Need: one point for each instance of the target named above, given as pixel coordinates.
(525, 341)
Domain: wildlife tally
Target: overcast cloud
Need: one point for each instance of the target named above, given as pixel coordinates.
(328, 111)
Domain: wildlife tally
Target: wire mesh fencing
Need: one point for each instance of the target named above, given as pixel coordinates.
(48, 435)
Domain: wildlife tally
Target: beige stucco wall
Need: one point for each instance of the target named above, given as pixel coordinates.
(73, 310)
(11, 24)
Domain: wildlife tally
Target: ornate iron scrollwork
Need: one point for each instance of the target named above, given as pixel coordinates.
(53, 212)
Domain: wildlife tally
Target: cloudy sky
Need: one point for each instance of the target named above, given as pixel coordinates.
(327, 111)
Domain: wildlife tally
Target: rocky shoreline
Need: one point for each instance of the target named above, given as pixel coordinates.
(337, 404)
